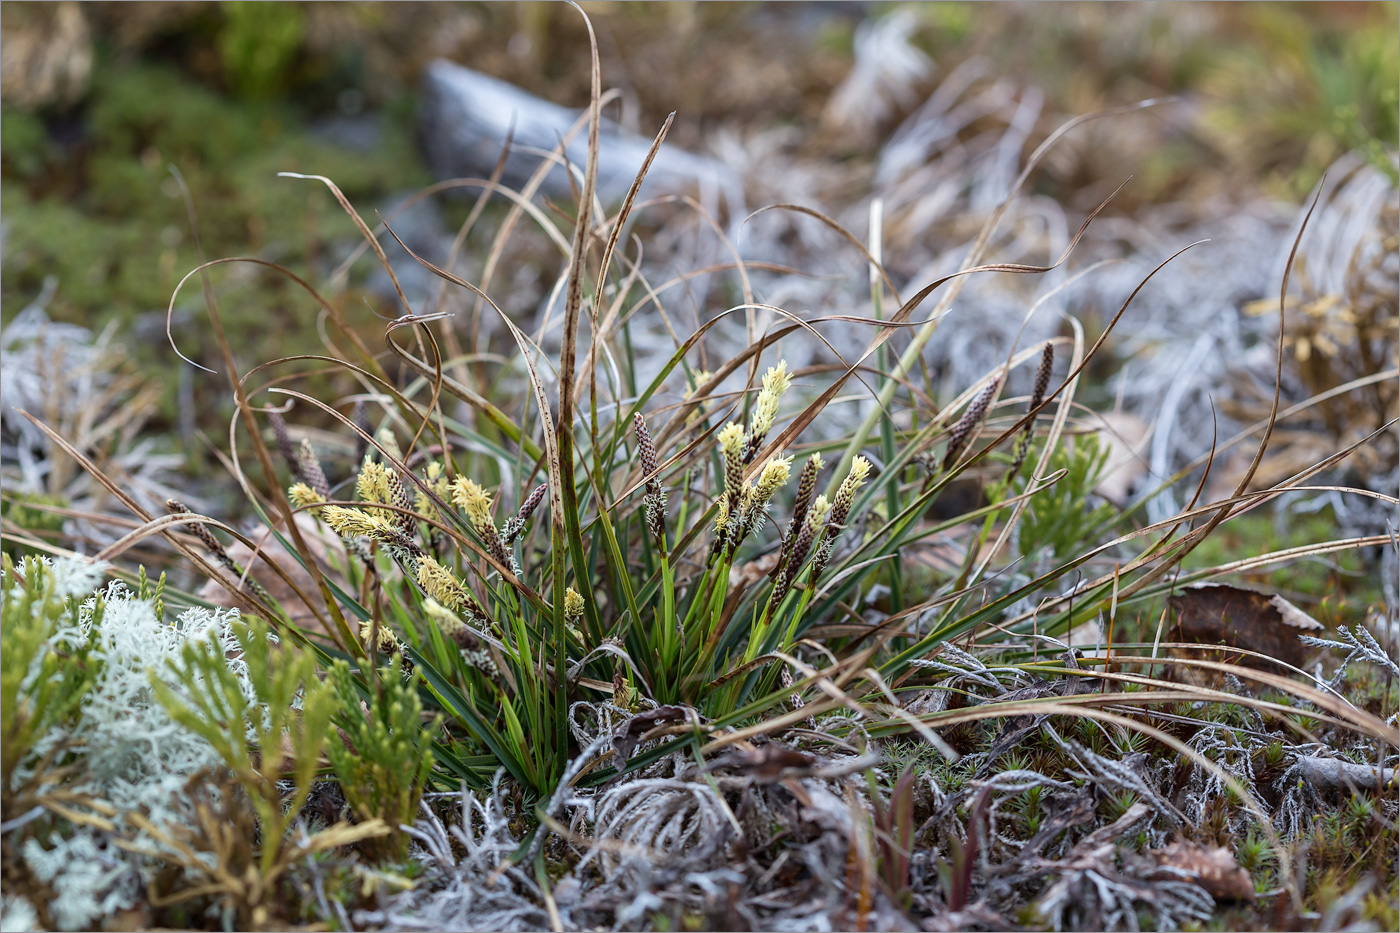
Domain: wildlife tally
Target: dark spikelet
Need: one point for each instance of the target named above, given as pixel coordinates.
(211, 544)
(646, 450)
(497, 546)
(1042, 374)
(1042, 384)
(398, 496)
(655, 499)
(311, 471)
(516, 523)
(206, 537)
(806, 488)
(360, 415)
(970, 419)
(788, 571)
(532, 502)
(284, 444)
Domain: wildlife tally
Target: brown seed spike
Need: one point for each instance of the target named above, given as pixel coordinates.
(1042, 375)
(646, 450)
(311, 470)
(398, 496)
(655, 499)
(970, 419)
(806, 487)
(206, 537)
(516, 523)
(284, 444)
(1042, 384)
(532, 502)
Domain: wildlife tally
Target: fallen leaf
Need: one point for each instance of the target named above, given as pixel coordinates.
(1212, 867)
(768, 763)
(271, 550)
(749, 573)
(1220, 614)
(634, 731)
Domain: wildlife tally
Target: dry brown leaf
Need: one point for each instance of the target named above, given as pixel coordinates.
(271, 550)
(768, 763)
(634, 731)
(1212, 867)
(1220, 614)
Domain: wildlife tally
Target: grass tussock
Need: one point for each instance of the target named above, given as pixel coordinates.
(582, 638)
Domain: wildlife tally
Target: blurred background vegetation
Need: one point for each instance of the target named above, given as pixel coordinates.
(102, 99)
(105, 102)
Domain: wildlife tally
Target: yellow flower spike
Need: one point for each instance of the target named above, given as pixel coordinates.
(300, 494)
(474, 501)
(386, 439)
(372, 483)
(731, 437)
(438, 612)
(819, 511)
(845, 494)
(722, 516)
(437, 482)
(449, 623)
(765, 410)
(388, 642)
(573, 603)
(773, 477)
(353, 523)
(439, 583)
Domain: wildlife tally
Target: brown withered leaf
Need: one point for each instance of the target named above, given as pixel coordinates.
(271, 550)
(768, 764)
(632, 732)
(1212, 867)
(750, 572)
(1220, 614)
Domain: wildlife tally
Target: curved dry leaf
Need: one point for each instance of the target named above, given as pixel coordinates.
(1221, 614)
(1212, 867)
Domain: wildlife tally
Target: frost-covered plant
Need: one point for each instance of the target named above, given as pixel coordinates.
(84, 736)
(88, 390)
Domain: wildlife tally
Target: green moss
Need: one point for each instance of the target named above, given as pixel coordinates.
(108, 221)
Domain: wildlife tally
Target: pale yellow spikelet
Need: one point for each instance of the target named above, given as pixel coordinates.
(439, 583)
(386, 439)
(773, 477)
(573, 603)
(388, 641)
(372, 483)
(765, 410)
(353, 523)
(437, 482)
(860, 469)
(474, 501)
(701, 378)
(731, 438)
(821, 508)
(437, 611)
(301, 495)
(722, 516)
